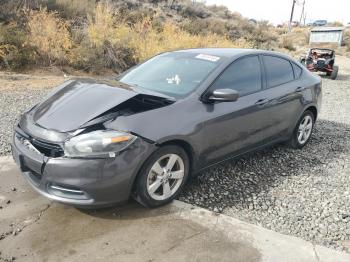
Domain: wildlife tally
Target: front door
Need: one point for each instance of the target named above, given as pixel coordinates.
(233, 127)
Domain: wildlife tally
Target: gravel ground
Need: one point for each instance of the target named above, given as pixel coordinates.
(18, 92)
(305, 192)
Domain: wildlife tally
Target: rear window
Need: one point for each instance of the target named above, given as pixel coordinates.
(297, 71)
(278, 71)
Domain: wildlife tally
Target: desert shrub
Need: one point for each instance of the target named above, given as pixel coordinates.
(49, 35)
(221, 11)
(205, 26)
(9, 9)
(146, 41)
(14, 49)
(9, 56)
(195, 10)
(95, 35)
(103, 44)
(300, 36)
(336, 23)
(347, 39)
(101, 26)
(287, 43)
(112, 42)
(106, 56)
(262, 35)
(72, 8)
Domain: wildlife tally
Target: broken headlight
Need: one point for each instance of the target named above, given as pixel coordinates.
(98, 143)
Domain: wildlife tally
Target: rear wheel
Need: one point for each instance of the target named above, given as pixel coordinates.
(334, 73)
(162, 177)
(303, 130)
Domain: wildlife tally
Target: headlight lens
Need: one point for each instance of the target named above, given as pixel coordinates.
(97, 143)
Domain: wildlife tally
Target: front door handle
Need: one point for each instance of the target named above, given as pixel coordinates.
(300, 89)
(261, 102)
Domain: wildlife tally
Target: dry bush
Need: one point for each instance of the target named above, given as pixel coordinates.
(262, 36)
(195, 10)
(146, 41)
(347, 39)
(336, 23)
(111, 42)
(205, 26)
(49, 35)
(14, 49)
(287, 43)
(103, 44)
(221, 11)
(297, 39)
(9, 9)
(72, 8)
(102, 26)
(117, 34)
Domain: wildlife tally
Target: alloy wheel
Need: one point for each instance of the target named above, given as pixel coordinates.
(165, 177)
(305, 129)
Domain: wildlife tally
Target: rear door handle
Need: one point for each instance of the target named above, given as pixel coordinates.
(300, 89)
(261, 102)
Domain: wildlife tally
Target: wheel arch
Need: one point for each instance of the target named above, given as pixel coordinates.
(177, 142)
(313, 110)
(185, 146)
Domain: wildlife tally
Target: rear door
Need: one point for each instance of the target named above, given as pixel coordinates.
(283, 90)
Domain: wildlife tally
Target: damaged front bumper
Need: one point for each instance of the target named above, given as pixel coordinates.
(81, 181)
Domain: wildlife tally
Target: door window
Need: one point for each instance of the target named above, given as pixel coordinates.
(297, 71)
(244, 76)
(278, 70)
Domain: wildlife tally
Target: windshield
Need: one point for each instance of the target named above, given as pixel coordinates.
(175, 74)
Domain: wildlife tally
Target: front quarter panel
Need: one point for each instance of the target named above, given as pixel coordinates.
(179, 121)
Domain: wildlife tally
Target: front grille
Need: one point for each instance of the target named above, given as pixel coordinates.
(48, 149)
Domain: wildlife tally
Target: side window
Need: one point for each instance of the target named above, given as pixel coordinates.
(244, 75)
(278, 70)
(297, 71)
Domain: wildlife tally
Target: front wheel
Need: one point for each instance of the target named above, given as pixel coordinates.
(303, 130)
(162, 177)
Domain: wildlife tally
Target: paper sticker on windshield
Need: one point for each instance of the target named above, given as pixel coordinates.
(208, 57)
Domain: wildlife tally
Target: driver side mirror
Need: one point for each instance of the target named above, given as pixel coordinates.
(224, 95)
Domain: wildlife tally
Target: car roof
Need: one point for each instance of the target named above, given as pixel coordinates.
(231, 52)
(223, 52)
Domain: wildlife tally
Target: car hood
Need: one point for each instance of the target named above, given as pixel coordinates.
(82, 101)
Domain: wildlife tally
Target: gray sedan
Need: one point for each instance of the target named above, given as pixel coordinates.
(142, 134)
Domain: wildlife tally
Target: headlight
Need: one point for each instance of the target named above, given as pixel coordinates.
(97, 143)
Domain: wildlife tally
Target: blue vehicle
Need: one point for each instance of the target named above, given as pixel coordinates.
(319, 23)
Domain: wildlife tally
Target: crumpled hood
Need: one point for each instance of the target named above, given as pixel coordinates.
(80, 101)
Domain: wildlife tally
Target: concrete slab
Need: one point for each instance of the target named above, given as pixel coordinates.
(35, 229)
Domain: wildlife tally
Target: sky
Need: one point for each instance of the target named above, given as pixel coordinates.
(278, 11)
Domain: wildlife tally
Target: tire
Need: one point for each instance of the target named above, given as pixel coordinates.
(165, 187)
(295, 140)
(334, 73)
